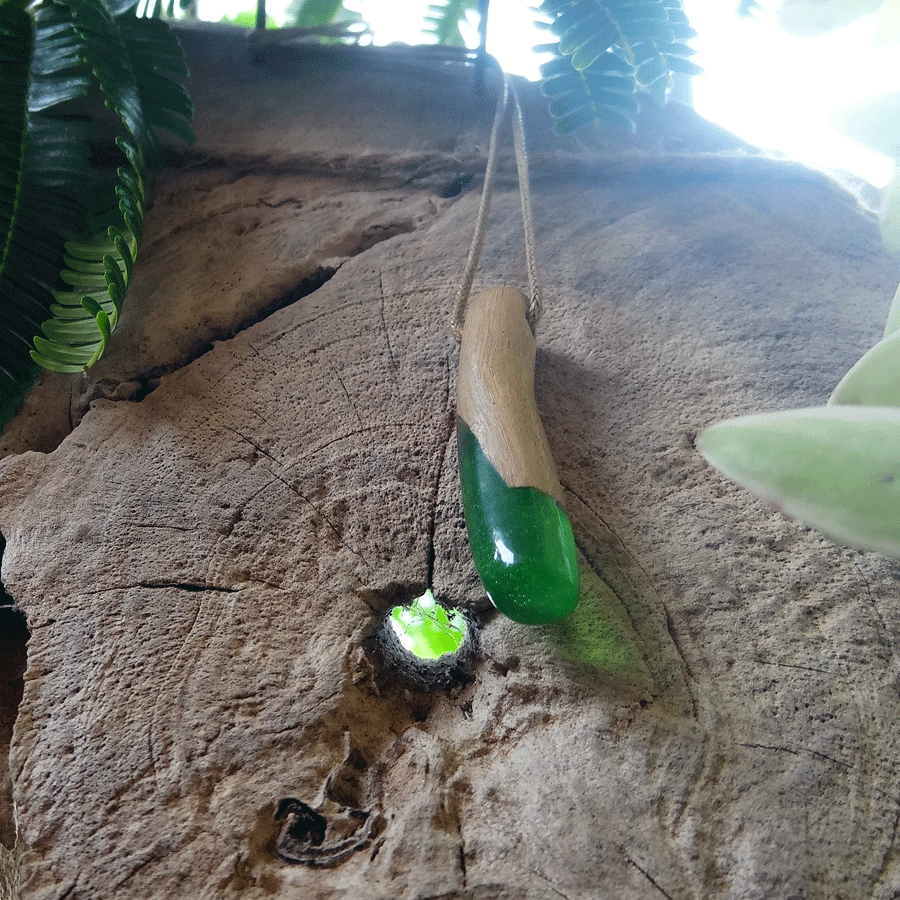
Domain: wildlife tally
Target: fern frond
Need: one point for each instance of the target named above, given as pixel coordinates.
(159, 68)
(608, 51)
(312, 13)
(16, 34)
(443, 18)
(58, 72)
(137, 64)
(30, 253)
(53, 52)
(78, 339)
(603, 92)
(119, 7)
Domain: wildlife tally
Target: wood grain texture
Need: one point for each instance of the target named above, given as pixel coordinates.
(201, 566)
(495, 390)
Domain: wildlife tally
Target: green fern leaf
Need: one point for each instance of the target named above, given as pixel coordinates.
(36, 216)
(442, 21)
(67, 344)
(313, 13)
(63, 160)
(120, 7)
(137, 64)
(16, 32)
(158, 66)
(586, 54)
(16, 48)
(603, 92)
(103, 50)
(58, 72)
(608, 51)
(53, 52)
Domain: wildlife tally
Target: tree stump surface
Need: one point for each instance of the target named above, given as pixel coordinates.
(265, 463)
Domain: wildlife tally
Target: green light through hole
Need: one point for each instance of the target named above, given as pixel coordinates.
(426, 629)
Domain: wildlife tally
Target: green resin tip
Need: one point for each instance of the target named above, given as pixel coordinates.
(521, 540)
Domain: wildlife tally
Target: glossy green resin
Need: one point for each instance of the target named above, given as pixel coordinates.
(521, 540)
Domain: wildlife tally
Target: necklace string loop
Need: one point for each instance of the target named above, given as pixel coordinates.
(536, 299)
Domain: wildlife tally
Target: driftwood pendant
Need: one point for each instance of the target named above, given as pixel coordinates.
(520, 535)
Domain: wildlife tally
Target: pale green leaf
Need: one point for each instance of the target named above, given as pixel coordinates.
(889, 215)
(873, 122)
(893, 319)
(875, 379)
(836, 468)
(53, 363)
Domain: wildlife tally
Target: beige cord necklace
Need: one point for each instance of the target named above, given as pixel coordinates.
(519, 533)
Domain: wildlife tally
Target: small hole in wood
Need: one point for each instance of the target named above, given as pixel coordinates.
(301, 824)
(456, 187)
(426, 629)
(426, 644)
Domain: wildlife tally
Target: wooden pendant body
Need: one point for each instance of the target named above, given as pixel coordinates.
(495, 392)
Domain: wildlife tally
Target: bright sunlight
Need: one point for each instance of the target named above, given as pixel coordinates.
(772, 88)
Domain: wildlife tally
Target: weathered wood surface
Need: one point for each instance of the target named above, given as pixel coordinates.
(201, 566)
(495, 390)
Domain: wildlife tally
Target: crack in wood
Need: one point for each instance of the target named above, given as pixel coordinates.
(149, 381)
(288, 201)
(676, 644)
(387, 334)
(550, 884)
(67, 892)
(800, 752)
(445, 447)
(647, 875)
(462, 855)
(784, 665)
(14, 636)
(344, 389)
(253, 443)
(126, 524)
(873, 603)
(343, 543)
(318, 448)
(189, 586)
(888, 856)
